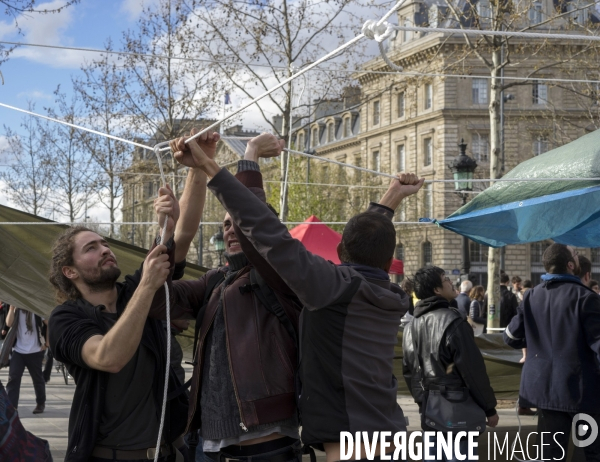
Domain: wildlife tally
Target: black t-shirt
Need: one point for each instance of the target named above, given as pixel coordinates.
(129, 418)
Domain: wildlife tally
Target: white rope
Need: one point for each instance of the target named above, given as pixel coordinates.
(380, 32)
(168, 320)
(79, 127)
(387, 175)
(329, 69)
(376, 32)
(206, 223)
(165, 145)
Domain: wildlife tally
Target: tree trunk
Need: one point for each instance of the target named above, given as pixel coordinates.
(493, 287)
(286, 130)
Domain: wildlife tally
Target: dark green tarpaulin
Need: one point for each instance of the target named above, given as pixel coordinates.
(25, 260)
(501, 362)
(518, 212)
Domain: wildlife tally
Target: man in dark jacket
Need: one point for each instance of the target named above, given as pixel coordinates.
(559, 324)
(117, 356)
(440, 340)
(508, 301)
(463, 301)
(243, 389)
(351, 312)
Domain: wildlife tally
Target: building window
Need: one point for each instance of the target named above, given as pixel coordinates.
(484, 11)
(427, 152)
(300, 141)
(426, 254)
(400, 252)
(149, 190)
(315, 137)
(539, 93)
(478, 273)
(400, 104)
(480, 91)
(595, 258)
(434, 15)
(428, 200)
(536, 251)
(406, 35)
(401, 158)
(376, 161)
(376, 112)
(401, 211)
(535, 13)
(330, 133)
(579, 15)
(480, 147)
(428, 96)
(540, 145)
(346, 127)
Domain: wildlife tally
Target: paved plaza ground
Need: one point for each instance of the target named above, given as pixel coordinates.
(52, 424)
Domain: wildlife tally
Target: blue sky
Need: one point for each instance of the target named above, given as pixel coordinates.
(34, 73)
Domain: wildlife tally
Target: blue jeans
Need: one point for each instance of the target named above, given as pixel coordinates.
(432, 456)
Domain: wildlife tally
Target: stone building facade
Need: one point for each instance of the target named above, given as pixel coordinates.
(415, 123)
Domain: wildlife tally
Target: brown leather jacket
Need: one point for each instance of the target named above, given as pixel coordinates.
(262, 355)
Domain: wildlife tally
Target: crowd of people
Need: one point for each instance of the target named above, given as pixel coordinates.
(291, 350)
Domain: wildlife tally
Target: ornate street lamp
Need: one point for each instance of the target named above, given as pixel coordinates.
(219, 244)
(462, 168)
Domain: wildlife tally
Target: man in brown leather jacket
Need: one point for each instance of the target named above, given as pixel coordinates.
(243, 389)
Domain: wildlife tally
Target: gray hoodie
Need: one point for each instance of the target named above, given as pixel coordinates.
(348, 328)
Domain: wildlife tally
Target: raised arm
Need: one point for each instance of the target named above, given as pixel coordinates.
(111, 352)
(317, 282)
(264, 145)
(193, 197)
(10, 317)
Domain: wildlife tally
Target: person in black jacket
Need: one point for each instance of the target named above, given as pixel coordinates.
(559, 323)
(476, 310)
(508, 301)
(463, 300)
(117, 356)
(459, 363)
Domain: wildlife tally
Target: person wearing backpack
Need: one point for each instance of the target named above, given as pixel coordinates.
(243, 391)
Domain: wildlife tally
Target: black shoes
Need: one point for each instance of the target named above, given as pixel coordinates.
(39, 409)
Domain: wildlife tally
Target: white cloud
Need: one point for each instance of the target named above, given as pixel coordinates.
(46, 29)
(35, 95)
(133, 8)
(4, 198)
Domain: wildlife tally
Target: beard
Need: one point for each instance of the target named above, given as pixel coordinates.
(101, 279)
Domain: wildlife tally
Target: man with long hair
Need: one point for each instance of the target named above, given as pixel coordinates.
(117, 355)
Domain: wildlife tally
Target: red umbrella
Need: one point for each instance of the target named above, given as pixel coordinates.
(322, 240)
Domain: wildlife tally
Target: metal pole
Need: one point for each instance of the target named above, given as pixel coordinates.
(133, 219)
(466, 259)
(502, 167)
(200, 244)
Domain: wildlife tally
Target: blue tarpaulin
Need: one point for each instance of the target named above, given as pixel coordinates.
(518, 212)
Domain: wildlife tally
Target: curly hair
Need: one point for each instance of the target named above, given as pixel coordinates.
(62, 255)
